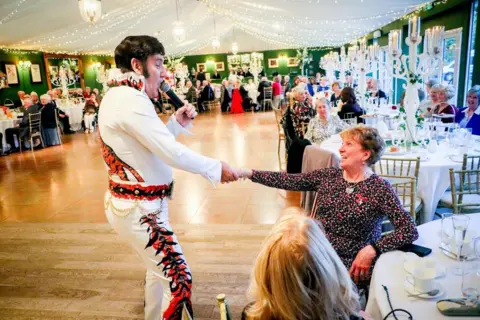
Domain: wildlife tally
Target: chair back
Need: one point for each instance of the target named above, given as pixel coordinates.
(465, 188)
(405, 188)
(268, 93)
(398, 167)
(35, 123)
(350, 122)
(9, 103)
(225, 313)
(471, 162)
(350, 115)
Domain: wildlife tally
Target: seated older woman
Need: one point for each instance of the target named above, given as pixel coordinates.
(352, 201)
(302, 112)
(469, 117)
(324, 124)
(444, 108)
(298, 275)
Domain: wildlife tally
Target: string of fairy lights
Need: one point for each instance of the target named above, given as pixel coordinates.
(277, 27)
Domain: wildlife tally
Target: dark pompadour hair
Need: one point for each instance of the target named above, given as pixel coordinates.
(139, 47)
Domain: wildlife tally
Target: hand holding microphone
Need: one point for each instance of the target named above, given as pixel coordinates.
(175, 100)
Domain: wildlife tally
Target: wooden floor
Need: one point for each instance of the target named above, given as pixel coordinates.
(59, 259)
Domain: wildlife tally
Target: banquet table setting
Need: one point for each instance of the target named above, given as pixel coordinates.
(436, 273)
(74, 112)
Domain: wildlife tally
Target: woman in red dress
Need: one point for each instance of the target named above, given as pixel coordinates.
(237, 99)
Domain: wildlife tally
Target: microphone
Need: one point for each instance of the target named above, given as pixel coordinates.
(176, 102)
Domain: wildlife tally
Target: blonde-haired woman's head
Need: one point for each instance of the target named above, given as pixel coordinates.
(298, 275)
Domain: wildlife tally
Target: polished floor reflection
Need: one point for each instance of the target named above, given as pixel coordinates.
(67, 183)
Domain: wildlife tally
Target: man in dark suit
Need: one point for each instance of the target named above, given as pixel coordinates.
(264, 83)
(191, 93)
(225, 98)
(201, 75)
(22, 129)
(205, 96)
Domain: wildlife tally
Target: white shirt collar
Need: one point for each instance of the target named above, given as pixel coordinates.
(477, 112)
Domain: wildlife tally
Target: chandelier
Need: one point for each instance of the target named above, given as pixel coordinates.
(215, 40)
(90, 10)
(178, 28)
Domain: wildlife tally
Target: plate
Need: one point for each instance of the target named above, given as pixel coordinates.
(396, 153)
(410, 290)
(452, 255)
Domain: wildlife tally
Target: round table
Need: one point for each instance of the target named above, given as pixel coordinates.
(75, 115)
(389, 271)
(4, 125)
(433, 178)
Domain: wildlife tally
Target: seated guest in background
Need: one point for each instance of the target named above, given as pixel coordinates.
(264, 83)
(191, 92)
(240, 72)
(311, 87)
(215, 74)
(19, 103)
(232, 76)
(469, 116)
(298, 275)
(324, 125)
(49, 121)
(262, 73)
(318, 78)
(428, 86)
(303, 112)
(206, 95)
(87, 93)
(248, 74)
(445, 94)
(225, 97)
(427, 107)
(352, 202)
(62, 116)
(89, 112)
(198, 87)
(23, 128)
(350, 107)
(247, 102)
(337, 87)
(375, 92)
(323, 86)
(98, 95)
(35, 98)
(349, 82)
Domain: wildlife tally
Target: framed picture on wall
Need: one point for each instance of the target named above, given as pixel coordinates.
(292, 62)
(202, 66)
(12, 75)
(273, 63)
(36, 74)
(220, 66)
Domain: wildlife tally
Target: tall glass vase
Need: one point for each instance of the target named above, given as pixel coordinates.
(411, 104)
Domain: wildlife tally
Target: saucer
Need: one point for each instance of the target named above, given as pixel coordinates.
(410, 290)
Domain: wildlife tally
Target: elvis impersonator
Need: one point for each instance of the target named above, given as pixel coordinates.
(139, 151)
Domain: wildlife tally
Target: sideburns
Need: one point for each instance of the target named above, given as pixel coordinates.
(146, 74)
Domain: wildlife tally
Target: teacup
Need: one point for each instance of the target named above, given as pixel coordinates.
(422, 279)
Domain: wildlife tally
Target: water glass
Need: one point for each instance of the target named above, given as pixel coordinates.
(460, 226)
(446, 230)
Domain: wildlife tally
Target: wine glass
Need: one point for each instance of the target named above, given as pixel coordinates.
(471, 282)
(460, 226)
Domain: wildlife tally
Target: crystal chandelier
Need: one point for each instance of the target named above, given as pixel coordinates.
(234, 48)
(215, 40)
(178, 28)
(90, 10)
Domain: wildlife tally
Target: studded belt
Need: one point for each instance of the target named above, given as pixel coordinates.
(139, 192)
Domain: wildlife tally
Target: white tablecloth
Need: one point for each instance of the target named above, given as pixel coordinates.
(75, 115)
(389, 272)
(4, 125)
(433, 178)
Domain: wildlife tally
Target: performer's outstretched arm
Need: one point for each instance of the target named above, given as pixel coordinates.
(144, 125)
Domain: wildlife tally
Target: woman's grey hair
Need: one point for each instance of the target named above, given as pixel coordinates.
(475, 90)
(46, 97)
(449, 92)
(325, 102)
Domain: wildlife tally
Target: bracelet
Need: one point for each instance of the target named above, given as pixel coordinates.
(377, 249)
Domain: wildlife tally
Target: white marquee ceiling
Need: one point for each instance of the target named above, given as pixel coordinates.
(56, 25)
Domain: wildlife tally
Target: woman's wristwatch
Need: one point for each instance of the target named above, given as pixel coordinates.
(377, 250)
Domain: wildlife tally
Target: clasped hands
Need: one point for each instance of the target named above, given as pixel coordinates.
(231, 175)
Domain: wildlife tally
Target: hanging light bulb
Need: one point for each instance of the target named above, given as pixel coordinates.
(178, 31)
(178, 28)
(234, 48)
(215, 42)
(90, 10)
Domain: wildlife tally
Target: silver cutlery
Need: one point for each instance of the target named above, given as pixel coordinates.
(430, 293)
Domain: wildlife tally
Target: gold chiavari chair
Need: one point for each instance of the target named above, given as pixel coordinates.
(464, 196)
(281, 135)
(225, 313)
